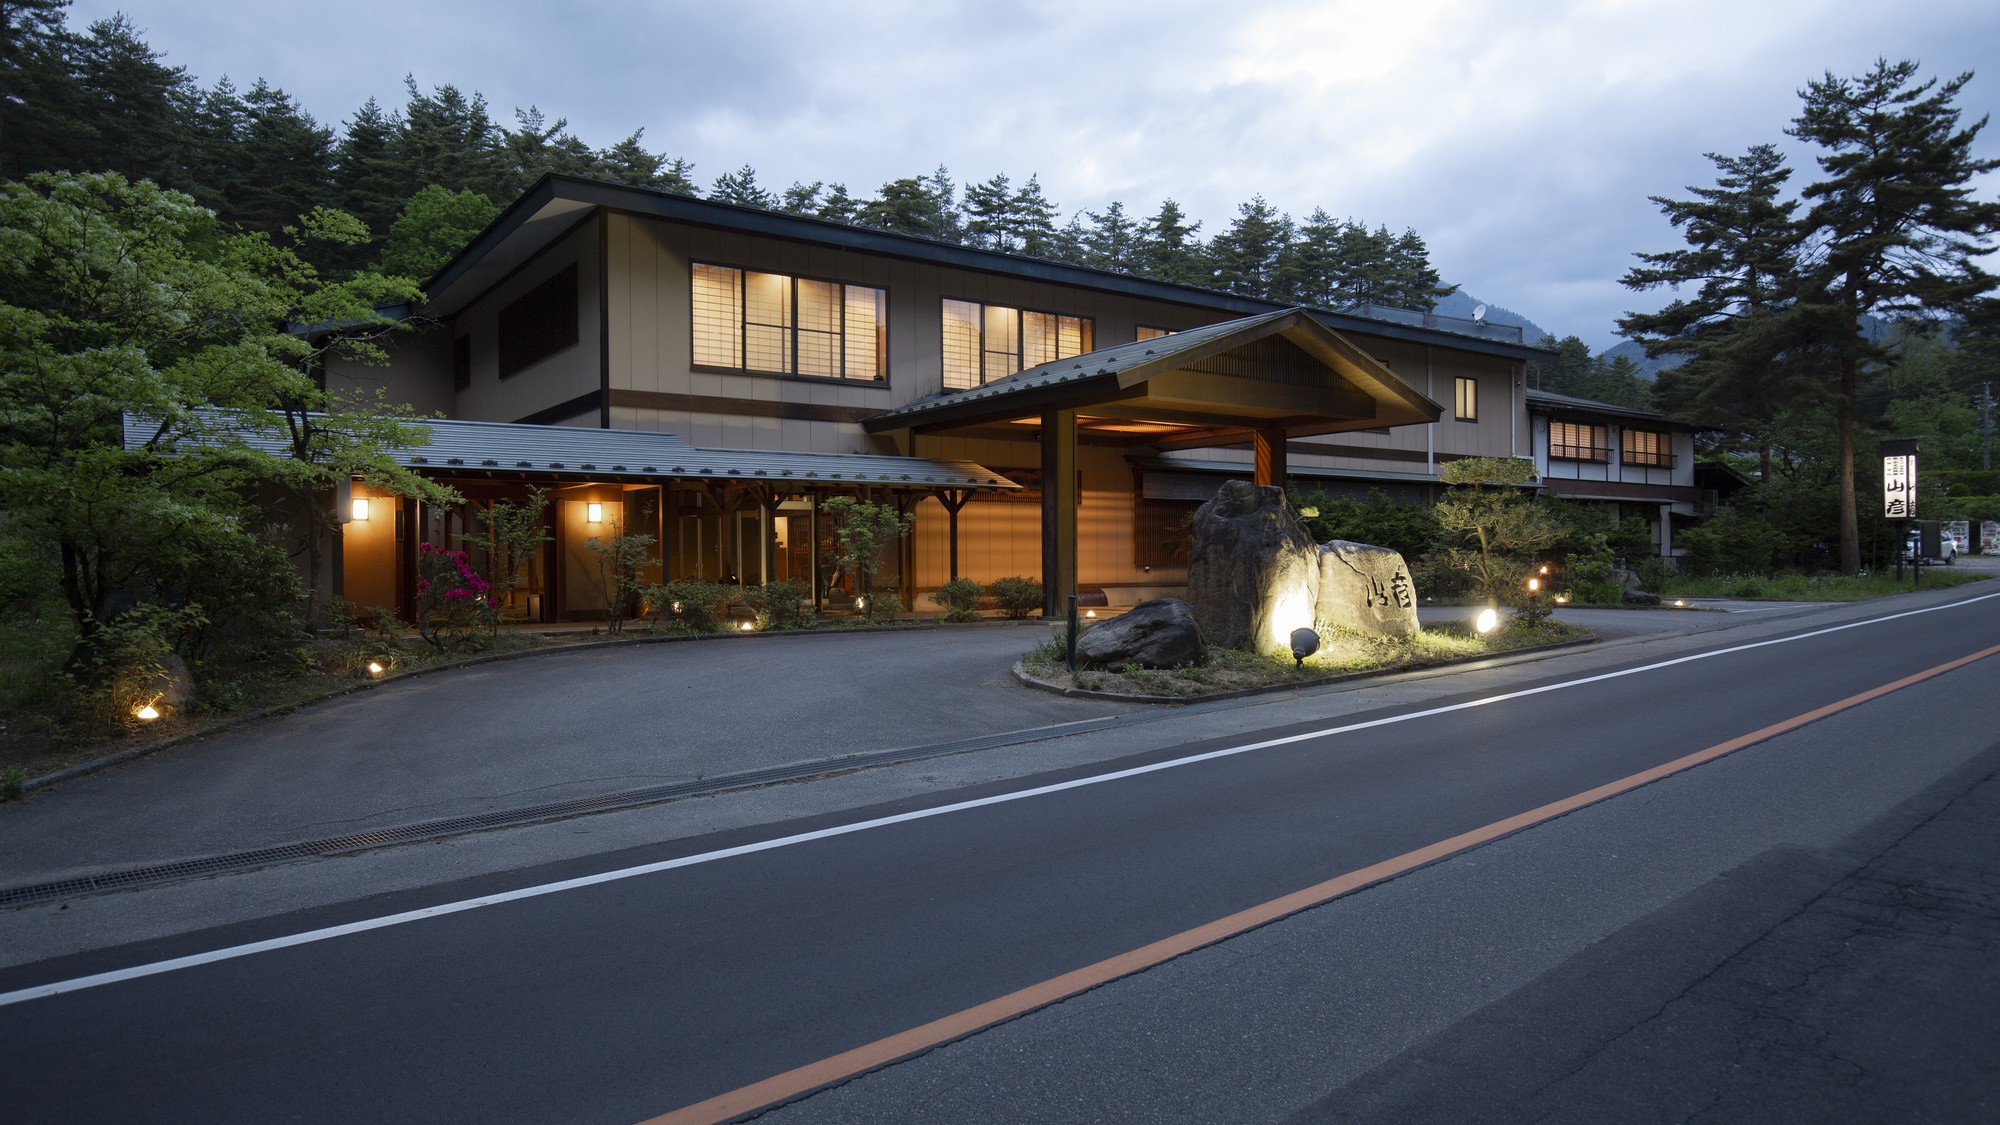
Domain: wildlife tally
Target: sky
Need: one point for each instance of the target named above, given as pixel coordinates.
(1521, 140)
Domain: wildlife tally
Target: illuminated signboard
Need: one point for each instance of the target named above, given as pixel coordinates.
(1899, 480)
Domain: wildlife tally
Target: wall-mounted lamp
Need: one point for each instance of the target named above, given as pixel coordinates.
(360, 509)
(594, 512)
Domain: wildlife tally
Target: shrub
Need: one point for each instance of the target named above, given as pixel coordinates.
(779, 605)
(960, 598)
(887, 603)
(450, 596)
(1380, 520)
(1017, 597)
(1731, 543)
(691, 603)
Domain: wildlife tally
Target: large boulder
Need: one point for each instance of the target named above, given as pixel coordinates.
(1366, 588)
(1632, 588)
(1157, 634)
(1253, 569)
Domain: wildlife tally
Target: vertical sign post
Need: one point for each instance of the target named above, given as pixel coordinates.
(1899, 492)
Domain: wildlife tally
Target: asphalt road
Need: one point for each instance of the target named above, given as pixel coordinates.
(766, 946)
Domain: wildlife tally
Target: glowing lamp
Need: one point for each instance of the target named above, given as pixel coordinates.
(1562, 599)
(1680, 603)
(375, 667)
(1534, 584)
(1487, 622)
(146, 712)
(677, 607)
(360, 509)
(1090, 613)
(861, 602)
(594, 512)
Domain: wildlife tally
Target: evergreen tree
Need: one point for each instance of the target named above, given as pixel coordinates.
(1894, 227)
(1578, 373)
(1740, 259)
(285, 162)
(951, 227)
(1031, 221)
(1169, 249)
(838, 206)
(989, 209)
(1108, 239)
(1413, 282)
(910, 206)
(39, 96)
(534, 148)
(1364, 266)
(740, 187)
(220, 121)
(367, 182)
(449, 140)
(1246, 256)
(1313, 262)
(628, 162)
(133, 106)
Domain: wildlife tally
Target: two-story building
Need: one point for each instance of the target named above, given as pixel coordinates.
(708, 375)
(1634, 462)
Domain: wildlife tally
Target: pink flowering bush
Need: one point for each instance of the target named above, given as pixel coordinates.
(452, 602)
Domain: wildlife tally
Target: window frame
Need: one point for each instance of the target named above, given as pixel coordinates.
(1086, 334)
(791, 329)
(1659, 457)
(527, 333)
(1465, 398)
(1596, 448)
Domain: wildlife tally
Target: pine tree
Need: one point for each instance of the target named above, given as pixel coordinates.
(1246, 255)
(534, 148)
(367, 181)
(1169, 249)
(628, 162)
(1109, 239)
(449, 140)
(220, 121)
(39, 96)
(909, 206)
(133, 108)
(1031, 221)
(838, 206)
(286, 162)
(989, 209)
(1895, 229)
(1413, 282)
(740, 187)
(1740, 259)
(1313, 261)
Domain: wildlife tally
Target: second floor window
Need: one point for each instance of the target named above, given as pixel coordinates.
(745, 320)
(1648, 447)
(1467, 408)
(987, 342)
(1577, 441)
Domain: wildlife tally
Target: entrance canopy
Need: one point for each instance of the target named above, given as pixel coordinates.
(1262, 379)
(1281, 373)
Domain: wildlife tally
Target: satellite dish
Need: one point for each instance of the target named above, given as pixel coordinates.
(1479, 312)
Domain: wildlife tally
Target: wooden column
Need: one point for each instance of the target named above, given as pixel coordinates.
(1270, 457)
(1059, 503)
(954, 500)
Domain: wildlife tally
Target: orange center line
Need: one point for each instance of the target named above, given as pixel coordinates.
(795, 1083)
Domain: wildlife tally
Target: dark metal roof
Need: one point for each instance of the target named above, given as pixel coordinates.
(556, 203)
(1549, 402)
(514, 448)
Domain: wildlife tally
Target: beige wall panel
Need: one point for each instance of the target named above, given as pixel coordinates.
(565, 375)
(368, 553)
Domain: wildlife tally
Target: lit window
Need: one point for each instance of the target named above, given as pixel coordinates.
(1148, 332)
(1648, 447)
(1576, 441)
(751, 321)
(987, 342)
(1467, 409)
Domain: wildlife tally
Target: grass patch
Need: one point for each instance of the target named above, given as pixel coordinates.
(1342, 652)
(1813, 588)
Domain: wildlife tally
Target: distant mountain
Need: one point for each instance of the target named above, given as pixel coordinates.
(1649, 368)
(1462, 303)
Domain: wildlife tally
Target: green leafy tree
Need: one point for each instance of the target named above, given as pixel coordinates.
(1489, 527)
(432, 228)
(1733, 275)
(621, 559)
(1896, 228)
(517, 531)
(863, 531)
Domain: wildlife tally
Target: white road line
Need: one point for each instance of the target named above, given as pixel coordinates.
(288, 941)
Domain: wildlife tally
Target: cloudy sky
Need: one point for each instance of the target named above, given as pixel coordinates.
(1521, 139)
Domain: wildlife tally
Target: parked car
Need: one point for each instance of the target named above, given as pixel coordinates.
(1947, 548)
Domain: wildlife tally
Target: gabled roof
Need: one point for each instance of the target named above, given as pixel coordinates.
(1346, 389)
(556, 204)
(571, 452)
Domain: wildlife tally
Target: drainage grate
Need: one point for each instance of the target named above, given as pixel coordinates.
(179, 870)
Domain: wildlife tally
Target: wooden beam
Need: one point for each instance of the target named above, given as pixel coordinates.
(1268, 455)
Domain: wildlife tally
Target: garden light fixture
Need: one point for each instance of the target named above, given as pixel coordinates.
(146, 712)
(1488, 621)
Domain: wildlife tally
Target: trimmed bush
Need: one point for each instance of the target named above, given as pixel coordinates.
(692, 604)
(1016, 597)
(778, 605)
(960, 599)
